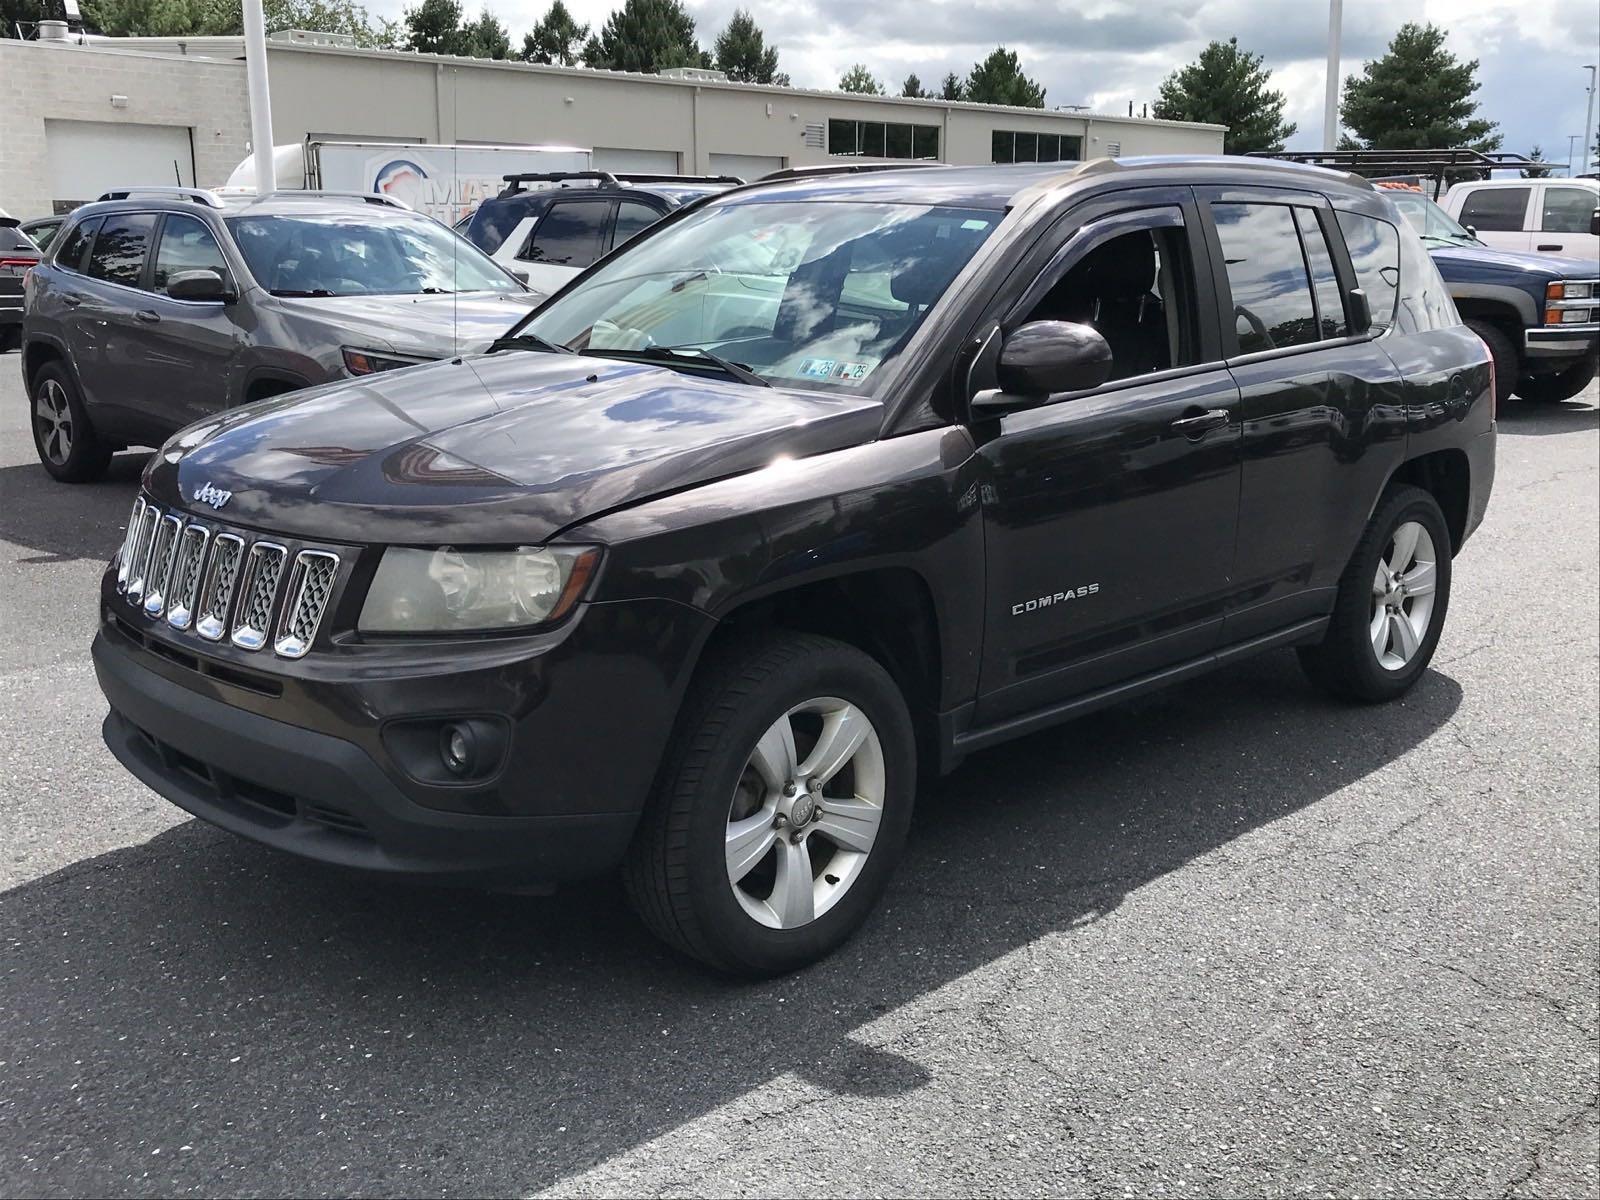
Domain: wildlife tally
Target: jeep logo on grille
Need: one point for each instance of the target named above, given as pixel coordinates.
(214, 496)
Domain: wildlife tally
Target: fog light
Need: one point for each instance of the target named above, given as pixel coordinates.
(458, 748)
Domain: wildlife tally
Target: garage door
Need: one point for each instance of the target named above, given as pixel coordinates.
(746, 166)
(636, 162)
(86, 158)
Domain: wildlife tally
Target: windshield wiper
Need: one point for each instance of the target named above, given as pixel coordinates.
(688, 354)
(527, 341)
(295, 294)
(437, 291)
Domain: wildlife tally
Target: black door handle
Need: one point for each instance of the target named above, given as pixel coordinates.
(72, 301)
(1197, 422)
(1550, 246)
(148, 317)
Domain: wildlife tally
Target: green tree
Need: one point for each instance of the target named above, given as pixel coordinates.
(556, 38)
(953, 88)
(434, 27)
(1418, 96)
(913, 88)
(486, 37)
(646, 36)
(176, 18)
(859, 79)
(1228, 86)
(1539, 172)
(998, 79)
(742, 52)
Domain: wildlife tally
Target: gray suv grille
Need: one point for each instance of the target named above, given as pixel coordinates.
(222, 583)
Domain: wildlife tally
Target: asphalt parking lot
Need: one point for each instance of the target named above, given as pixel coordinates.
(1234, 939)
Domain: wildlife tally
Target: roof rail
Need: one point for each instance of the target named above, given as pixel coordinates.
(1435, 164)
(643, 177)
(381, 198)
(198, 195)
(843, 169)
(603, 178)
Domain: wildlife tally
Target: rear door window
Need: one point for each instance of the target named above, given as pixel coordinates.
(70, 255)
(1496, 210)
(1374, 247)
(569, 235)
(1324, 279)
(1568, 209)
(1272, 302)
(187, 244)
(121, 248)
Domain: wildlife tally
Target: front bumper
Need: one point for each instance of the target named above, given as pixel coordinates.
(1562, 341)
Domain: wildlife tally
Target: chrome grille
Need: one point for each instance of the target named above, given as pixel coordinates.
(184, 589)
(216, 594)
(310, 589)
(259, 590)
(162, 544)
(139, 570)
(129, 538)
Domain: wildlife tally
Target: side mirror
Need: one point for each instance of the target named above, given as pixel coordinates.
(1594, 223)
(1472, 229)
(521, 277)
(1043, 359)
(1360, 312)
(198, 285)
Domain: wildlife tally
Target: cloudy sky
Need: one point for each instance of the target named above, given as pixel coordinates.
(1105, 53)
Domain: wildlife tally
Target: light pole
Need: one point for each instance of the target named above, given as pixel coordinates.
(255, 70)
(1571, 138)
(1330, 104)
(1588, 121)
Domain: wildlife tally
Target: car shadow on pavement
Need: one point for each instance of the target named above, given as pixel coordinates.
(59, 522)
(275, 1027)
(1518, 418)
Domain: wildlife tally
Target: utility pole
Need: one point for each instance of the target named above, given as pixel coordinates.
(1571, 138)
(1588, 122)
(255, 69)
(1330, 109)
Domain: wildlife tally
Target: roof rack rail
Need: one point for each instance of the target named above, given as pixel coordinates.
(198, 195)
(381, 198)
(1422, 164)
(603, 178)
(646, 177)
(843, 169)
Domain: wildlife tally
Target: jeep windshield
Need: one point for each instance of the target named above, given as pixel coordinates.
(350, 254)
(1430, 221)
(800, 294)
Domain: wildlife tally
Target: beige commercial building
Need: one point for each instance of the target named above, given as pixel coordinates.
(84, 115)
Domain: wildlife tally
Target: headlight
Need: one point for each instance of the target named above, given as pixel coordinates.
(461, 591)
(369, 362)
(1563, 290)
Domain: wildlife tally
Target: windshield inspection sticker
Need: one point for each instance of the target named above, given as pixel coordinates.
(852, 372)
(817, 368)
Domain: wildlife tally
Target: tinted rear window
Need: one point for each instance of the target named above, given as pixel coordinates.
(1495, 209)
(569, 235)
(1374, 247)
(1272, 305)
(71, 253)
(120, 248)
(12, 238)
(1330, 301)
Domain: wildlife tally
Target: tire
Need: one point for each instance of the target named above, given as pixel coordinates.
(1349, 661)
(1562, 385)
(63, 435)
(1504, 353)
(677, 872)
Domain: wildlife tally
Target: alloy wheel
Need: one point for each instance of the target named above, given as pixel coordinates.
(52, 414)
(805, 813)
(1402, 596)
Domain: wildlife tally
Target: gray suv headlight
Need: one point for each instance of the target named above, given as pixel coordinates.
(465, 591)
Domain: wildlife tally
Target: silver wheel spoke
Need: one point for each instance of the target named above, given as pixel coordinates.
(1379, 631)
(1380, 579)
(44, 409)
(748, 843)
(774, 756)
(843, 731)
(1405, 636)
(793, 899)
(850, 824)
(1420, 580)
(1405, 547)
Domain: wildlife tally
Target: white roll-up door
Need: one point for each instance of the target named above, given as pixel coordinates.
(746, 166)
(86, 158)
(639, 162)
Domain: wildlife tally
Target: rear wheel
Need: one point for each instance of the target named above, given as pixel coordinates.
(1562, 385)
(65, 440)
(1391, 603)
(782, 808)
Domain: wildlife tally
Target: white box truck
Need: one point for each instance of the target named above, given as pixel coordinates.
(446, 182)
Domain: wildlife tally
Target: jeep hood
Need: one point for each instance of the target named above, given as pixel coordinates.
(424, 326)
(510, 447)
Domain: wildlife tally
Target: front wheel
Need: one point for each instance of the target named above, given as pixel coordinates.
(1504, 354)
(1391, 603)
(1562, 385)
(782, 808)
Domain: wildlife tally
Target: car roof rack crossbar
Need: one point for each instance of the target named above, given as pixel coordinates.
(160, 191)
(647, 177)
(602, 178)
(1437, 165)
(844, 169)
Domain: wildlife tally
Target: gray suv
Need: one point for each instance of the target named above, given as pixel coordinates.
(157, 308)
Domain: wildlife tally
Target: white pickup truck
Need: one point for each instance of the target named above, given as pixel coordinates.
(1555, 216)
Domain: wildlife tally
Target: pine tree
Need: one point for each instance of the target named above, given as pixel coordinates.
(646, 36)
(434, 27)
(1539, 172)
(1228, 86)
(486, 37)
(912, 88)
(1418, 96)
(200, 18)
(954, 88)
(556, 38)
(998, 79)
(742, 52)
(859, 79)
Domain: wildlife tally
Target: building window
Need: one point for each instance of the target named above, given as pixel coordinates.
(882, 139)
(1009, 146)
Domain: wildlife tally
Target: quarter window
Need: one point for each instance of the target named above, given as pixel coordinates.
(1568, 209)
(1496, 210)
(1324, 280)
(1009, 146)
(569, 235)
(1374, 248)
(70, 255)
(121, 247)
(882, 139)
(186, 245)
(1272, 301)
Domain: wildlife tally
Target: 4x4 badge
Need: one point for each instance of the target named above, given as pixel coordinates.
(214, 496)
